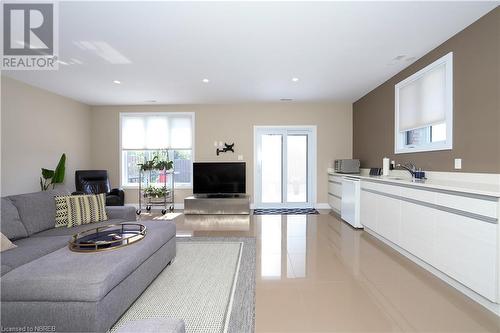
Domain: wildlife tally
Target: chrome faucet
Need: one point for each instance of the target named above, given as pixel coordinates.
(410, 167)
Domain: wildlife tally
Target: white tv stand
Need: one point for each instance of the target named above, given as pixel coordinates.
(217, 205)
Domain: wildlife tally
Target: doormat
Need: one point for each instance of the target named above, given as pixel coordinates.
(285, 211)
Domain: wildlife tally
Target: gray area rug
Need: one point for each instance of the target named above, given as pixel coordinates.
(210, 285)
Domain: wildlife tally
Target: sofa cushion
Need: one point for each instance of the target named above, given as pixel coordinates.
(85, 209)
(37, 210)
(11, 225)
(29, 249)
(61, 211)
(5, 243)
(75, 230)
(64, 275)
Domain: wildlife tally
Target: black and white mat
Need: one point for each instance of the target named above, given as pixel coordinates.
(210, 286)
(285, 211)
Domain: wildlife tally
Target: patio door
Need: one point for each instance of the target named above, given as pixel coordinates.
(285, 166)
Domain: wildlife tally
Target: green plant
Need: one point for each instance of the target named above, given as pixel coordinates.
(156, 192)
(53, 177)
(156, 163)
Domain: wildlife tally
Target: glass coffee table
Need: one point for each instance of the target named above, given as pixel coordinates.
(109, 237)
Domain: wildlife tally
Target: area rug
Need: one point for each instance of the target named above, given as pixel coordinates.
(285, 211)
(210, 285)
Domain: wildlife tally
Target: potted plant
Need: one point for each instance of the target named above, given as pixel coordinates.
(53, 177)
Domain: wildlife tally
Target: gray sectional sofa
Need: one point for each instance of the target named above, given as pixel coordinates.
(43, 283)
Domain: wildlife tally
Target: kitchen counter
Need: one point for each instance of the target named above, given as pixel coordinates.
(483, 189)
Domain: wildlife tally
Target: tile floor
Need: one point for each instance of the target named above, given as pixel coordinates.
(317, 274)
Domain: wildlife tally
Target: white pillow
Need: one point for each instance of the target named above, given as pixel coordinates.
(5, 243)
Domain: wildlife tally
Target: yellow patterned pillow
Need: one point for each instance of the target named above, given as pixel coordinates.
(84, 209)
(61, 211)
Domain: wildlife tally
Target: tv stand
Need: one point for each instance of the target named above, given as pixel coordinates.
(217, 204)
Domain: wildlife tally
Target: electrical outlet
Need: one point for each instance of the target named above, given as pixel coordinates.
(458, 163)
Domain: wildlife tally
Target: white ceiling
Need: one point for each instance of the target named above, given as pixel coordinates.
(249, 51)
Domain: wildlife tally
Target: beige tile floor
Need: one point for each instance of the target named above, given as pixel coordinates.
(317, 274)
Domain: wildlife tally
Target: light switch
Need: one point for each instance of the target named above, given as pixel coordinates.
(458, 163)
(240, 157)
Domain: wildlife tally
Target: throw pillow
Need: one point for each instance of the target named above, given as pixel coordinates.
(84, 209)
(61, 211)
(5, 243)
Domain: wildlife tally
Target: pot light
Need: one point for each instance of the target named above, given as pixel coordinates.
(295, 79)
(117, 82)
(205, 80)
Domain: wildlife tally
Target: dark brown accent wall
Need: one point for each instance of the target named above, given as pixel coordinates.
(476, 112)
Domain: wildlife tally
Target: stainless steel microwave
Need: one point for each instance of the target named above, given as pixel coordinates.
(346, 166)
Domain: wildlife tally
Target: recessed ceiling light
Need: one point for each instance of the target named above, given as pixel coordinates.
(286, 99)
(205, 80)
(117, 82)
(295, 79)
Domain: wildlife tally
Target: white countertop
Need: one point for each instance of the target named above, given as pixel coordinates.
(487, 189)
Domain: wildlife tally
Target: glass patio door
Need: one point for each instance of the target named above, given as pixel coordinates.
(284, 158)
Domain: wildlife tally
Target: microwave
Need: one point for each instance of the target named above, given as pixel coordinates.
(346, 166)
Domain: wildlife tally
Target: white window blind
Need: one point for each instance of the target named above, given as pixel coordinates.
(141, 132)
(422, 102)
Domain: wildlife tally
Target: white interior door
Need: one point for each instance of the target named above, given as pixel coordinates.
(285, 165)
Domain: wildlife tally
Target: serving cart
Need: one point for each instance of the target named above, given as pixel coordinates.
(156, 189)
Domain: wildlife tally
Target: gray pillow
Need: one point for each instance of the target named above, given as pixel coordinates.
(37, 210)
(11, 225)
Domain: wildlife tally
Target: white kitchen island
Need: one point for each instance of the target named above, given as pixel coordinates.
(447, 226)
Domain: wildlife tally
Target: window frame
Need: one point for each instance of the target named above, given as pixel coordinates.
(400, 146)
(140, 114)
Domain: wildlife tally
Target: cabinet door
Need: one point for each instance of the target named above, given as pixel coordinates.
(466, 251)
(368, 210)
(418, 230)
(334, 202)
(389, 218)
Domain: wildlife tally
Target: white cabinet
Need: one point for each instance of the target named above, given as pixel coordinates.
(428, 225)
(466, 250)
(368, 210)
(389, 218)
(418, 230)
(335, 192)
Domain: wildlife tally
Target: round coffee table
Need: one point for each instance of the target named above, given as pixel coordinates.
(109, 237)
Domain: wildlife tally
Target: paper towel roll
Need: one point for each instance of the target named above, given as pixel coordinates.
(385, 166)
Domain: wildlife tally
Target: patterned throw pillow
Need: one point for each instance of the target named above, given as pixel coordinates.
(84, 209)
(61, 211)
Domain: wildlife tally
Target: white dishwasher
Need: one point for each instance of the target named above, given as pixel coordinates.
(351, 198)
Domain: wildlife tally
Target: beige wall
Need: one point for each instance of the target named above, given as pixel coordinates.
(476, 119)
(37, 127)
(232, 123)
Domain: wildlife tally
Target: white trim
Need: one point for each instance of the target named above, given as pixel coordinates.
(399, 138)
(311, 131)
(120, 150)
(322, 205)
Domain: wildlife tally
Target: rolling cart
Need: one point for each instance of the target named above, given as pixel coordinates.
(156, 189)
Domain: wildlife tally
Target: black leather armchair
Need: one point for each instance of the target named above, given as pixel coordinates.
(95, 182)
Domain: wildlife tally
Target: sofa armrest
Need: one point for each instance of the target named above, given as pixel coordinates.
(121, 212)
(119, 193)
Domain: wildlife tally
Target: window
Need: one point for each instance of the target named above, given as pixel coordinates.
(170, 135)
(424, 109)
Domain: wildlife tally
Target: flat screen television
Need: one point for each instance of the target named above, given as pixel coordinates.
(219, 178)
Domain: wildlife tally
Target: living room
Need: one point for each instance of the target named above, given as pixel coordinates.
(255, 166)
